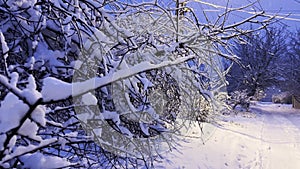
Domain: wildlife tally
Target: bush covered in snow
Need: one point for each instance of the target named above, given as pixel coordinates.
(239, 98)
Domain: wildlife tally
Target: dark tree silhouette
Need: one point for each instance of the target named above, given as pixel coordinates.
(260, 66)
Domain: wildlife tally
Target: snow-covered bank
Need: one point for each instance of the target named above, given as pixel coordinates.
(267, 138)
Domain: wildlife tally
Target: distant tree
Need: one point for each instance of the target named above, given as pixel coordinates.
(292, 65)
(259, 61)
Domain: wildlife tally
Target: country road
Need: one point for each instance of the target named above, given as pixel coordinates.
(266, 138)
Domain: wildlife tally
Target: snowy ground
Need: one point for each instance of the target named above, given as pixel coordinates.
(267, 138)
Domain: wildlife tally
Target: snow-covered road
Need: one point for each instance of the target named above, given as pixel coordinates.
(267, 138)
(280, 134)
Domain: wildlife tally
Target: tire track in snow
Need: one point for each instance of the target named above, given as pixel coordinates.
(292, 134)
(259, 160)
(279, 142)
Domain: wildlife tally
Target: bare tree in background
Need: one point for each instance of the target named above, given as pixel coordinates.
(49, 48)
(292, 65)
(260, 55)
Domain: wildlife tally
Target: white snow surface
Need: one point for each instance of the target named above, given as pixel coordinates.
(4, 46)
(89, 99)
(30, 129)
(55, 89)
(38, 161)
(266, 138)
(11, 111)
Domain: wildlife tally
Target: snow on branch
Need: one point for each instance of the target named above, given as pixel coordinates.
(56, 90)
(28, 149)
